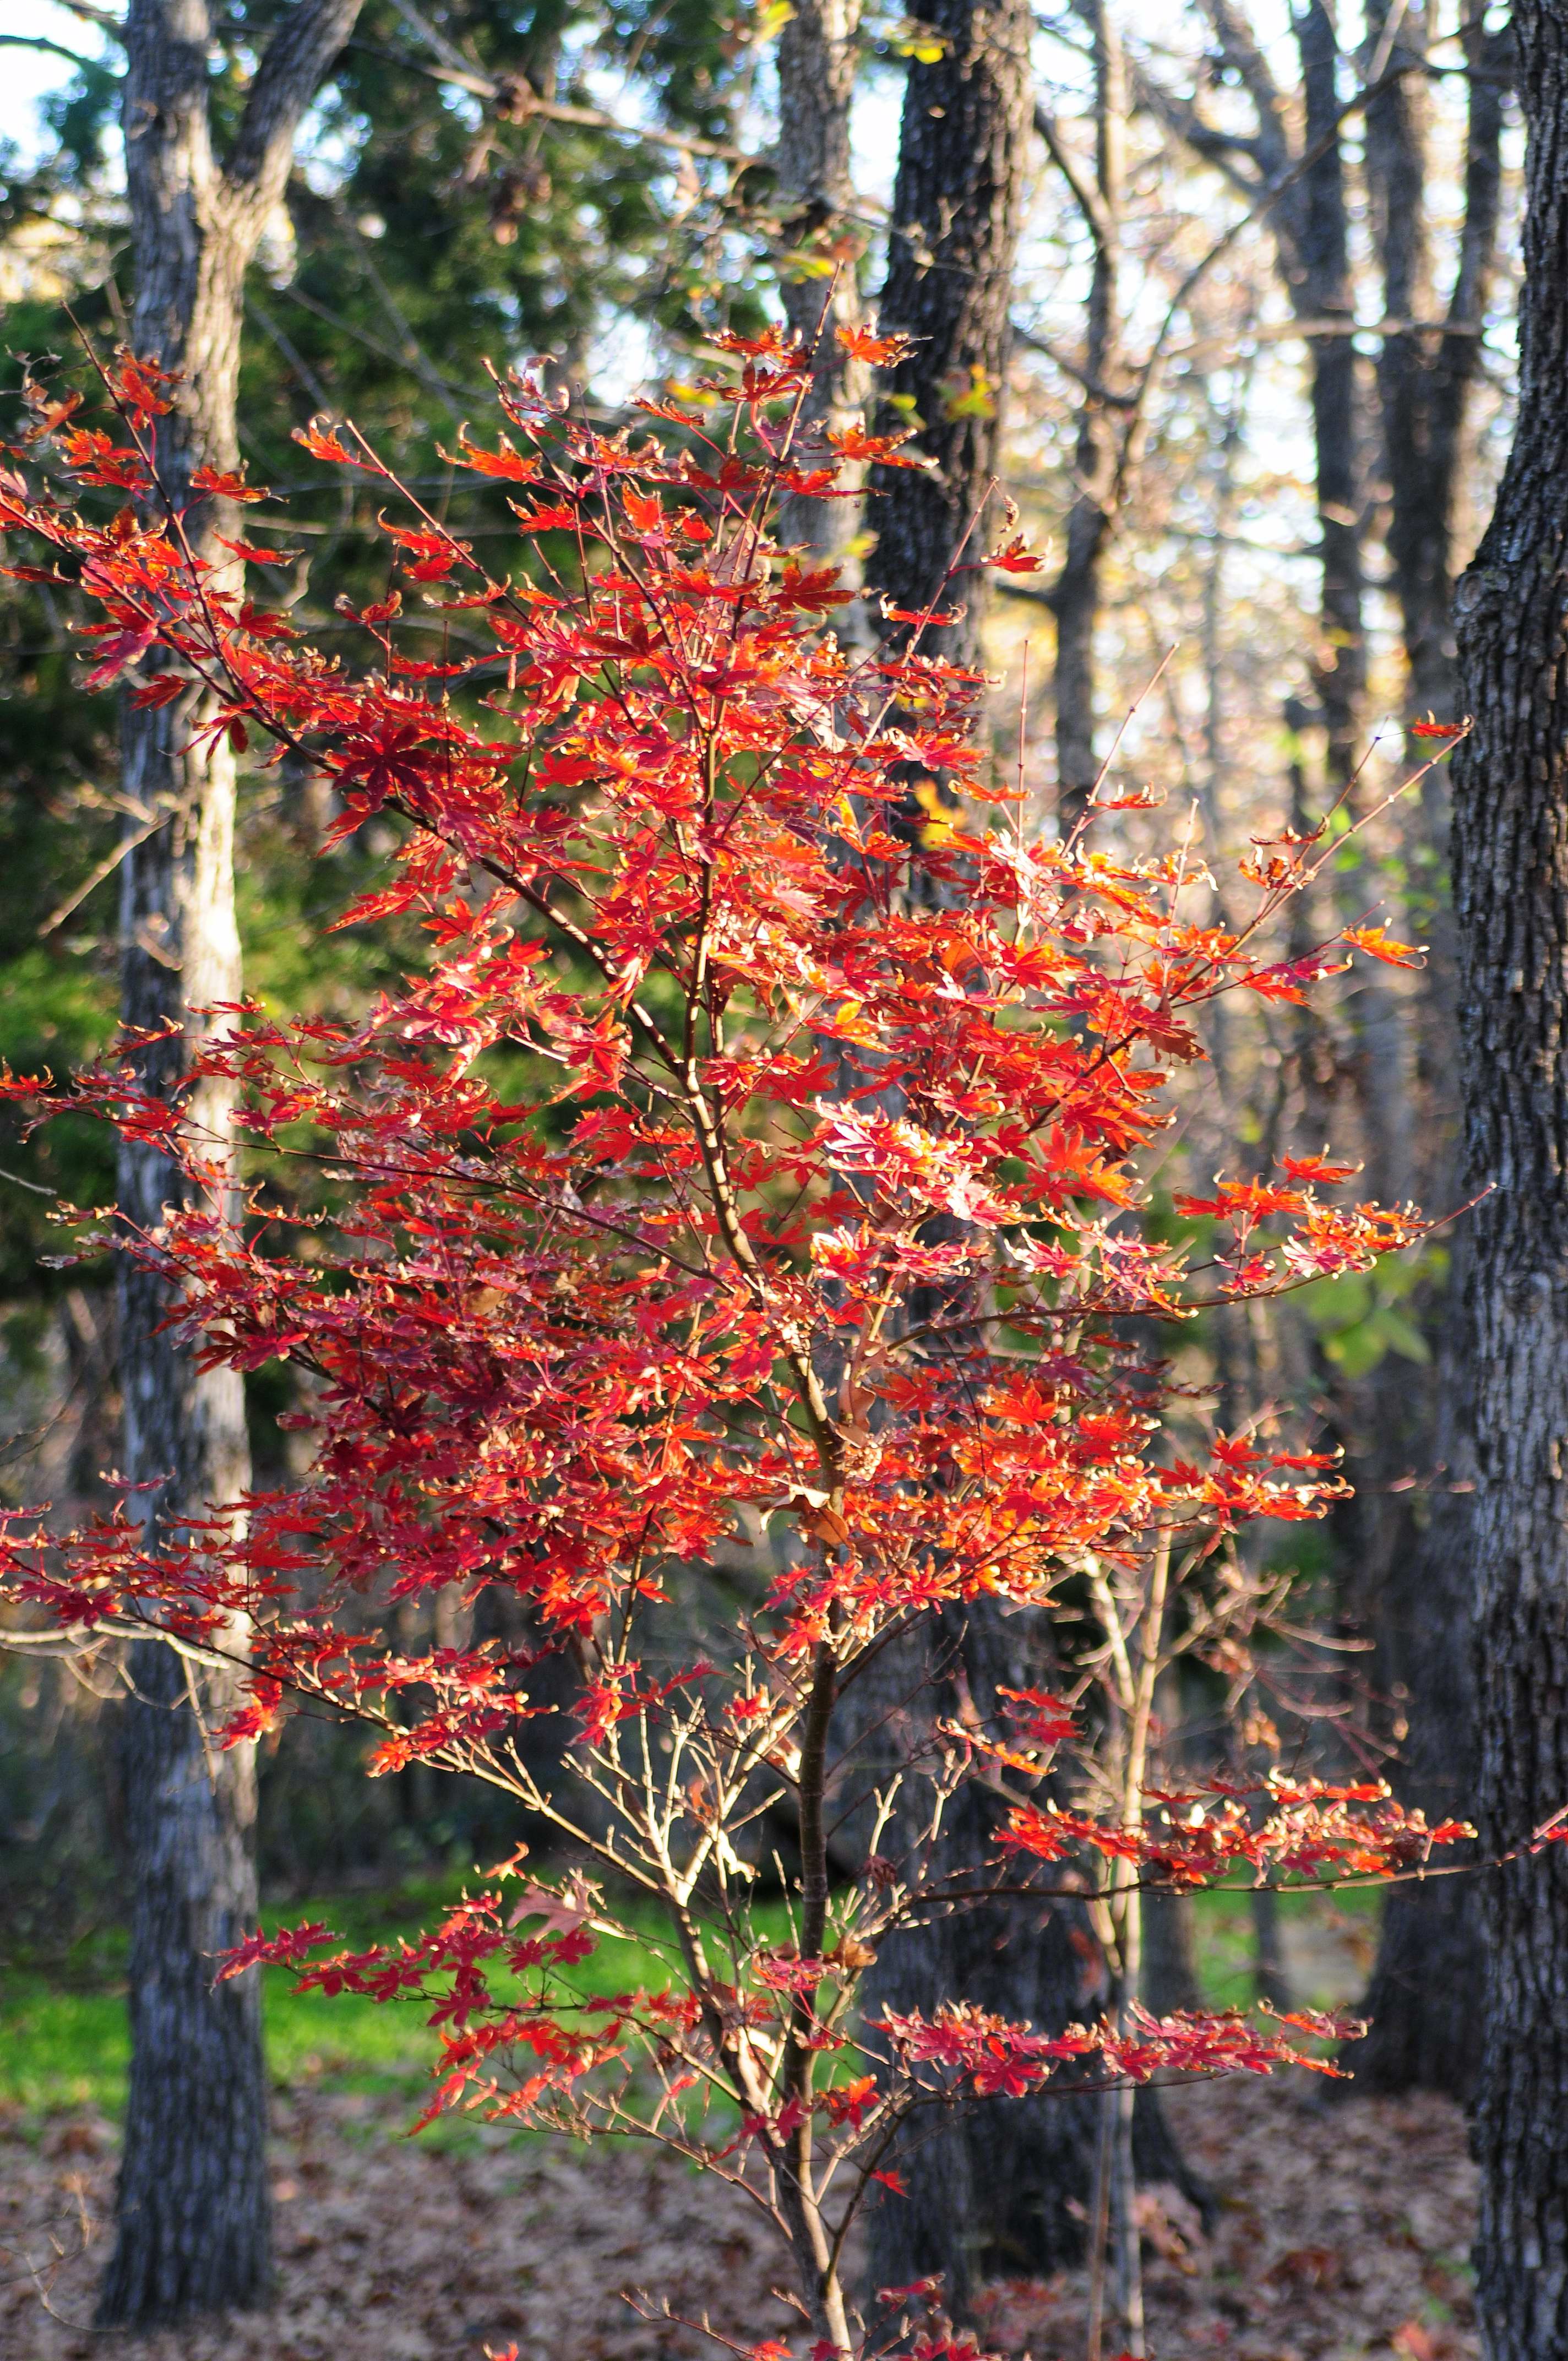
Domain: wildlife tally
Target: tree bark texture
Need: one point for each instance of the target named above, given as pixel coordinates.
(994, 2200)
(1310, 225)
(987, 2196)
(817, 57)
(192, 2216)
(1429, 1966)
(1429, 1960)
(953, 239)
(1511, 846)
(1002, 2193)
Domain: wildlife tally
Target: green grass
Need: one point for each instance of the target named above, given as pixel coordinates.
(63, 2040)
(1226, 1949)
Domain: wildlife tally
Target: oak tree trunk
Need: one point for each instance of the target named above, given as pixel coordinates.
(192, 2215)
(956, 210)
(1421, 1999)
(1429, 1967)
(987, 2197)
(1511, 845)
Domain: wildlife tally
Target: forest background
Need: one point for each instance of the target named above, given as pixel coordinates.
(1251, 397)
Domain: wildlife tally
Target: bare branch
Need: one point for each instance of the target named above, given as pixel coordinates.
(40, 41)
(296, 63)
(99, 16)
(522, 103)
(1085, 194)
(1035, 343)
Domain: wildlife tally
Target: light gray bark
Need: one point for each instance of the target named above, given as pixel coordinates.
(817, 57)
(192, 2221)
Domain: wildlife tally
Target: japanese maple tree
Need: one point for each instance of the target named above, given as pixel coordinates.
(816, 1215)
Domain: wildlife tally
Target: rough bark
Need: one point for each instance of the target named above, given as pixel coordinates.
(1429, 1966)
(1511, 846)
(1170, 1954)
(1170, 1930)
(952, 241)
(1004, 2193)
(817, 282)
(192, 2217)
(975, 2201)
(1430, 1954)
(1310, 219)
(987, 2197)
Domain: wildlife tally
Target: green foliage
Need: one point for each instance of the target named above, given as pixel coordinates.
(1359, 1318)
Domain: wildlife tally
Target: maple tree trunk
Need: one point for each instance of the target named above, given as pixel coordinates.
(957, 208)
(1510, 845)
(192, 2214)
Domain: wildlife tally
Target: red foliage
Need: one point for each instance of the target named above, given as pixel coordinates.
(819, 1201)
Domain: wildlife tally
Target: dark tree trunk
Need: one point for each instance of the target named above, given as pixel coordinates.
(1171, 1955)
(1323, 291)
(192, 2214)
(1429, 1963)
(1003, 2193)
(1510, 842)
(1429, 1966)
(952, 241)
(1312, 230)
(1425, 382)
(1169, 1980)
(987, 2196)
(977, 2201)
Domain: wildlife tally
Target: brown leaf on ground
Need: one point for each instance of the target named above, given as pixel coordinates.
(389, 2249)
(1341, 2231)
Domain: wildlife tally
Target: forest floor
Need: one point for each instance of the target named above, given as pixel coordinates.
(1340, 2225)
(1340, 2229)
